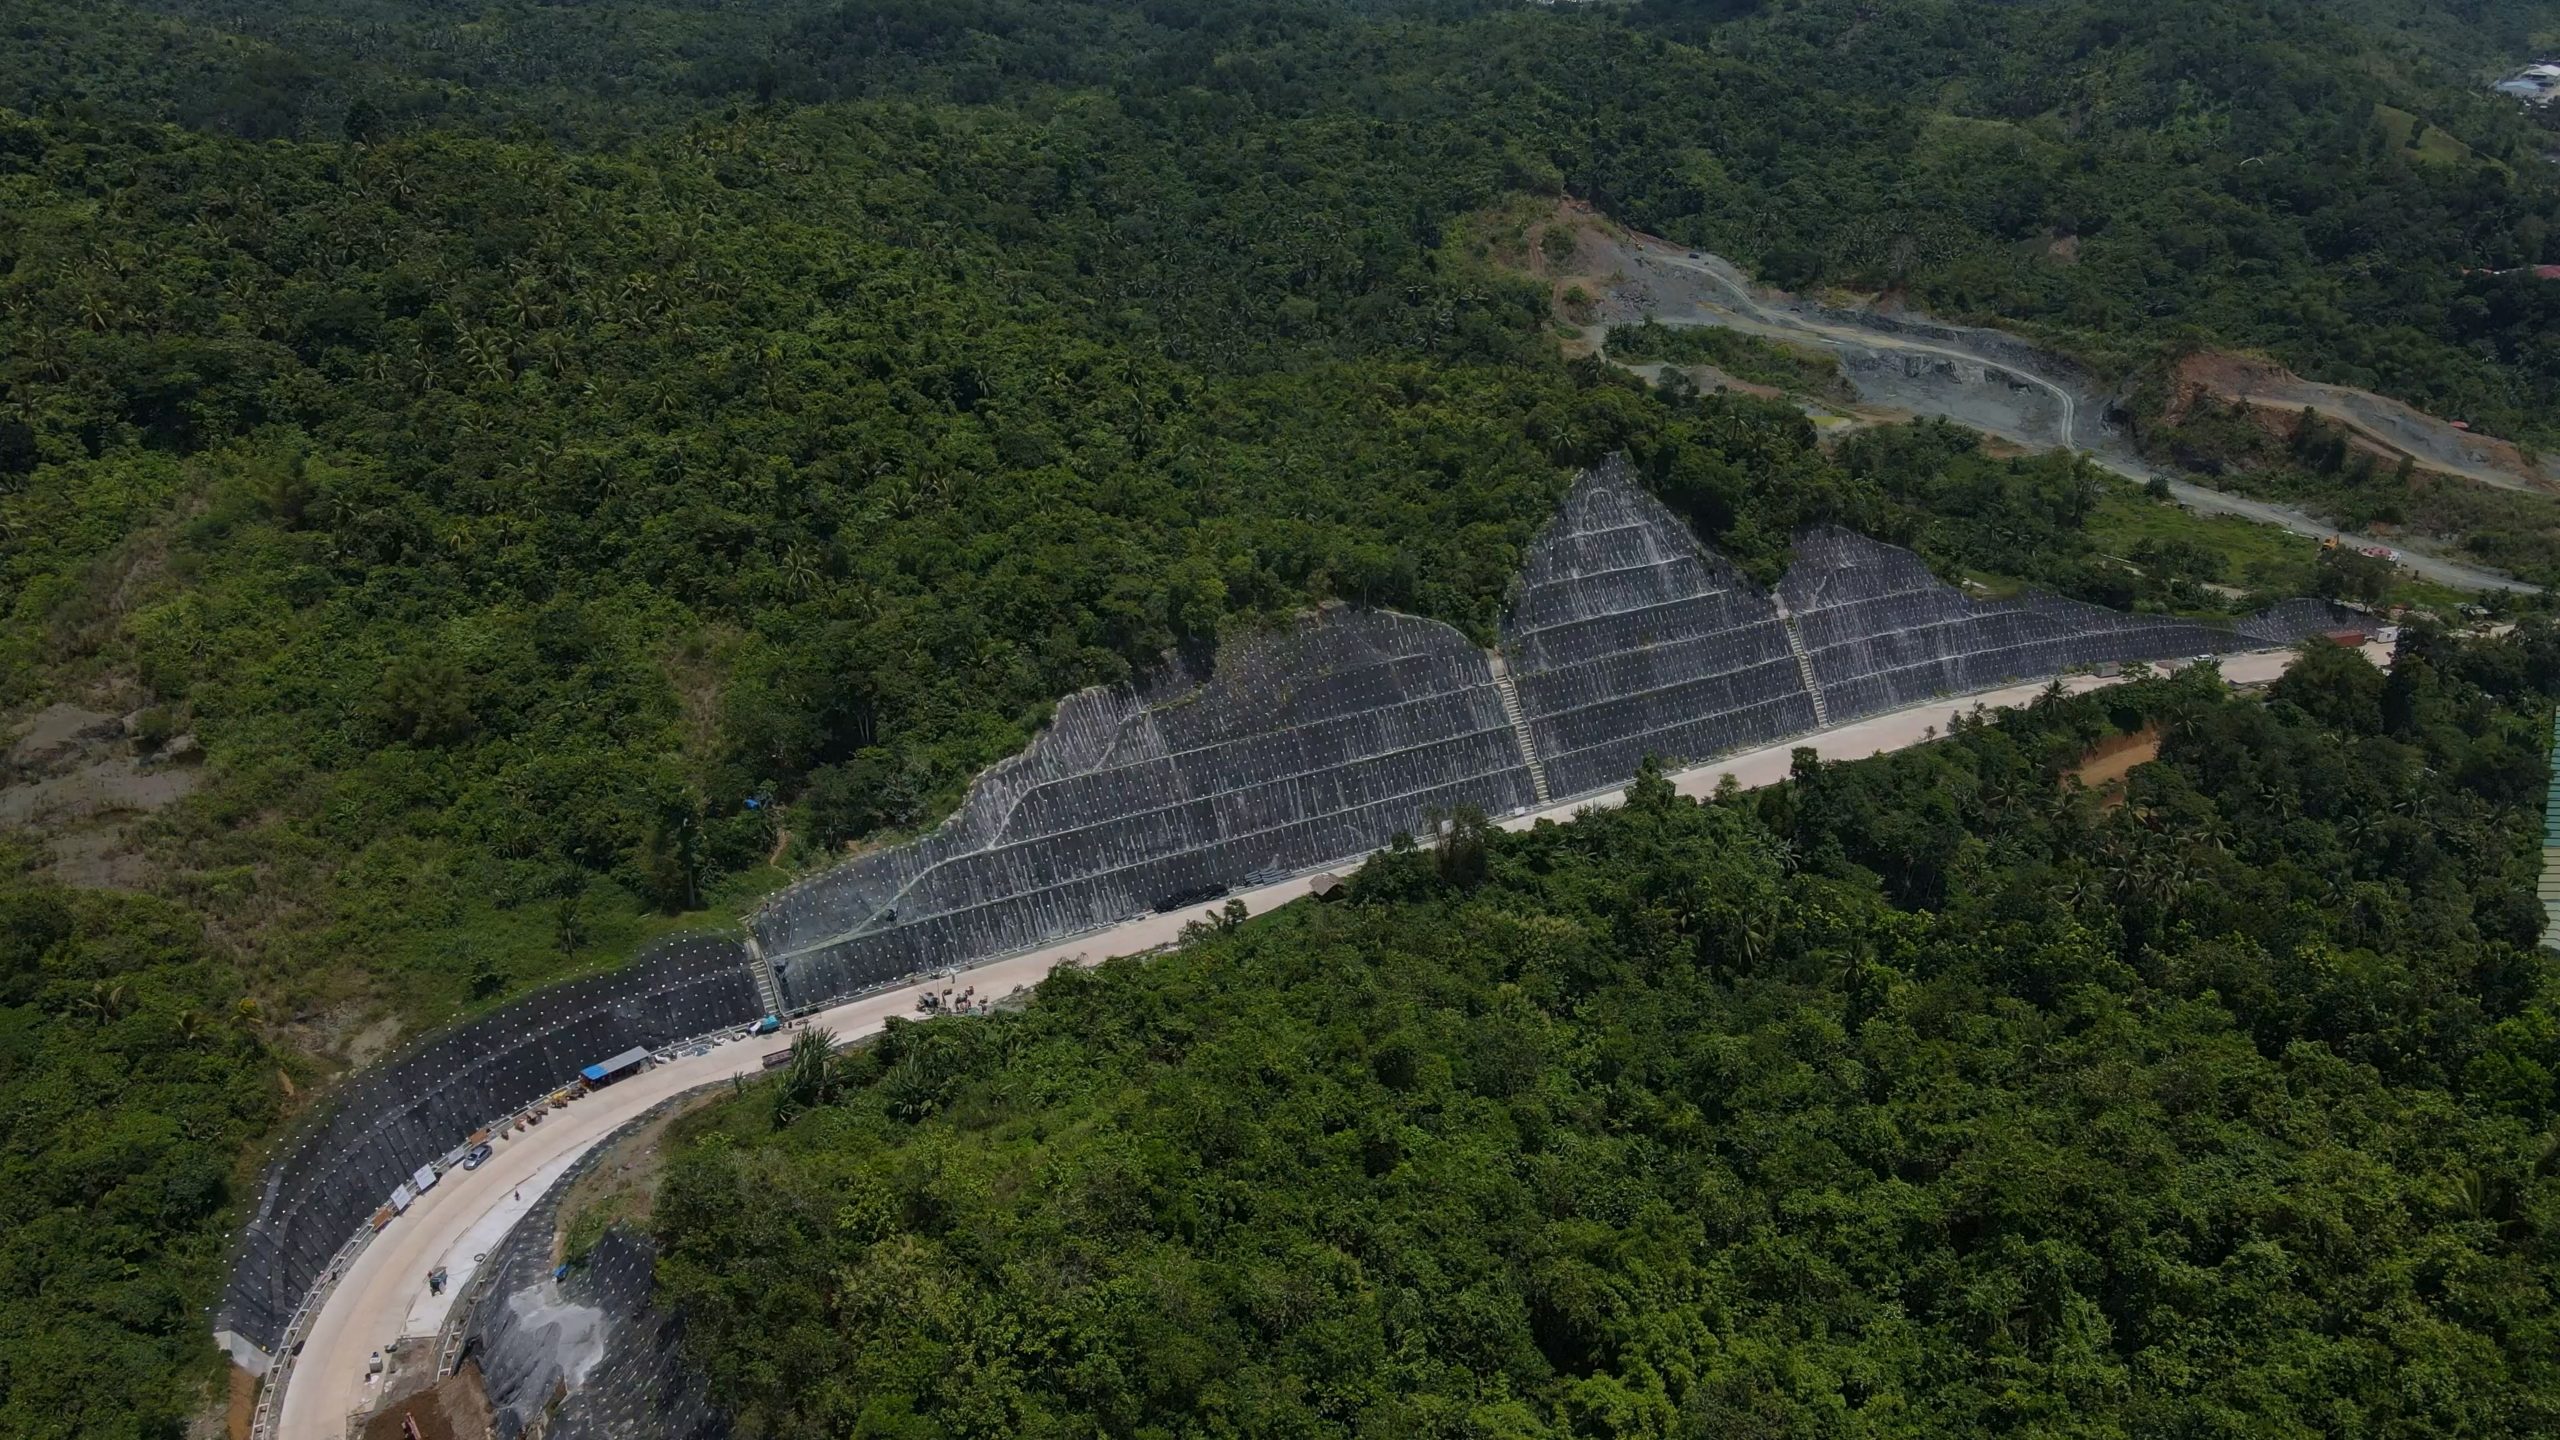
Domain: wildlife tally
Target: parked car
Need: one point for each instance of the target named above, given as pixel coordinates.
(478, 1157)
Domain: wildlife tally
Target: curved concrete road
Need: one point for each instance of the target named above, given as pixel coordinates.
(1782, 323)
(382, 1296)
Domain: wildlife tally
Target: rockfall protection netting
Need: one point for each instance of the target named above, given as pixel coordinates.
(593, 1338)
(1883, 633)
(386, 1122)
(2287, 623)
(1303, 747)
(1627, 639)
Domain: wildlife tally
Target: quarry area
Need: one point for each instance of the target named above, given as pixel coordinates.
(1898, 365)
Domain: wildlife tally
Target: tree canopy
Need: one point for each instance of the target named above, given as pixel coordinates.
(568, 467)
(1928, 1094)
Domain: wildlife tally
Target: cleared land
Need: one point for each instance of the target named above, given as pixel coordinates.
(1902, 366)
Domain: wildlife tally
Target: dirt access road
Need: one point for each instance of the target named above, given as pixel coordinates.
(2382, 426)
(379, 1298)
(2056, 409)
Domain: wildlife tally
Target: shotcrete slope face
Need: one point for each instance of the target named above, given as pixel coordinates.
(593, 1334)
(1305, 748)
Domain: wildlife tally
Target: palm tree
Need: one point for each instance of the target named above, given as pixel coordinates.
(809, 1080)
(800, 573)
(1755, 936)
(105, 1000)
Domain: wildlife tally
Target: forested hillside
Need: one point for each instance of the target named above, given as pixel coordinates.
(542, 470)
(2327, 181)
(1926, 1095)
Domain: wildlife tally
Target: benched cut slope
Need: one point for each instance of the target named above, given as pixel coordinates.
(1302, 748)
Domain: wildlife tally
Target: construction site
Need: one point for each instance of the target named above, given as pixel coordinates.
(405, 1265)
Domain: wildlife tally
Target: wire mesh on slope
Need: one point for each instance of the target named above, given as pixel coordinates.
(2288, 622)
(1883, 633)
(386, 1122)
(597, 1333)
(1629, 639)
(1303, 747)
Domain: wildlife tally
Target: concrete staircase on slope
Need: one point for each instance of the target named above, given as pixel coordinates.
(1804, 666)
(2547, 889)
(1510, 695)
(768, 994)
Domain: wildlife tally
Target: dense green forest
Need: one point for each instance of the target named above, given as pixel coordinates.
(2255, 173)
(1931, 1094)
(134, 1075)
(503, 441)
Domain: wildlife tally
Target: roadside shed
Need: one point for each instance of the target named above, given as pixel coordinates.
(617, 1067)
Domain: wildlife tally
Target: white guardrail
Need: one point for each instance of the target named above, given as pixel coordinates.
(262, 1423)
(262, 1420)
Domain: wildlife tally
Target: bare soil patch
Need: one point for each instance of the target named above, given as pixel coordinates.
(2388, 430)
(1568, 246)
(2104, 768)
(76, 779)
(227, 1409)
(454, 1408)
(372, 1042)
(353, 1033)
(621, 1188)
(242, 1406)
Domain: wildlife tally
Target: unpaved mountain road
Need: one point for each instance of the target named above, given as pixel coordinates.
(2043, 407)
(2386, 425)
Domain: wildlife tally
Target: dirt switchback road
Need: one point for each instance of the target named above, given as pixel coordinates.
(1676, 289)
(379, 1299)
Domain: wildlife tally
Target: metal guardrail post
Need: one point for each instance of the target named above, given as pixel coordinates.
(297, 1328)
